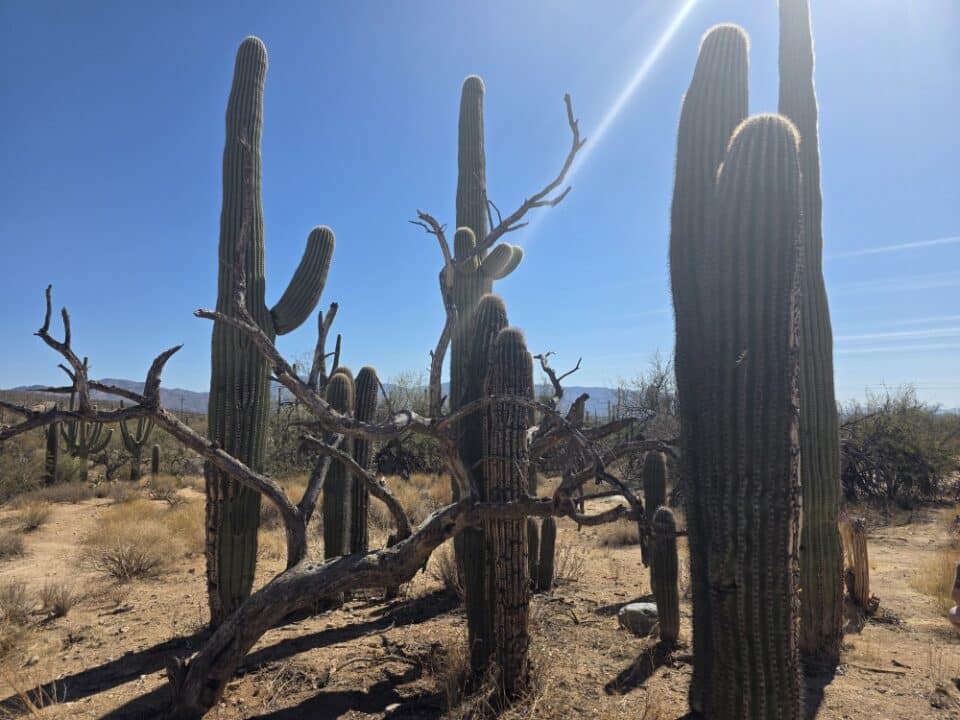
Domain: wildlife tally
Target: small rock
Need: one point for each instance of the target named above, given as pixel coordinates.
(638, 618)
(32, 660)
(392, 708)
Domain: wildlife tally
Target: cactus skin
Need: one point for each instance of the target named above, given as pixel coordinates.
(654, 493)
(134, 442)
(52, 459)
(751, 423)
(488, 321)
(714, 105)
(533, 550)
(366, 389)
(155, 461)
(821, 555)
(83, 439)
(548, 546)
(857, 573)
(239, 385)
(505, 460)
(340, 394)
(664, 568)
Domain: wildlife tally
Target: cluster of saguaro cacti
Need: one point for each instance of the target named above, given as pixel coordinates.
(52, 459)
(83, 439)
(664, 568)
(475, 273)
(239, 382)
(821, 556)
(135, 441)
(505, 462)
(654, 494)
(857, 569)
(735, 271)
(341, 396)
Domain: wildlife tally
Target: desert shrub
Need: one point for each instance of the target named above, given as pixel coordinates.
(569, 564)
(121, 492)
(443, 568)
(15, 604)
(11, 544)
(131, 542)
(20, 466)
(34, 514)
(618, 534)
(57, 598)
(68, 469)
(896, 447)
(165, 488)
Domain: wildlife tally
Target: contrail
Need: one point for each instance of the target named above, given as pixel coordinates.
(606, 122)
(896, 284)
(894, 248)
(928, 333)
(896, 348)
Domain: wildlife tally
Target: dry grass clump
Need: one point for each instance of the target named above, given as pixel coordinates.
(165, 488)
(443, 568)
(11, 545)
(57, 599)
(69, 492)
(131, 541)
(271, 545)
(569, 563)
(420, 495)
(619, 534)
(15, 606)
(935, 576)
(34, 514)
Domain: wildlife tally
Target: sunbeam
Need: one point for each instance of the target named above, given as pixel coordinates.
(613, 112)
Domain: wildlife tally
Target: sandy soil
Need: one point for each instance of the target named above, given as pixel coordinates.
(373, 659)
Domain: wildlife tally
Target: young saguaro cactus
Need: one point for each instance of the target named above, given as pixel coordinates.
(488, 321)
(239, 380)
(821, 555)
(751, 491)
(52, 459)
(714, 105)
(857, 573)
(664, 568)
(366, 387)
(654, 493)
(505, 459)
(135, 441)
(340, 394)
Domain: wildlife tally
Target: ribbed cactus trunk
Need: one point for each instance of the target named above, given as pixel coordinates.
(340, 394)
(533, 550)
(854, 532)
(715, 104)
(155, 461)
(751, 427)
(821, 556)
(366, 389)
(654, 494)
(548, 551)
(52, 459)
(239, 382)
(505, 459)
(489, 320)
(664, 573)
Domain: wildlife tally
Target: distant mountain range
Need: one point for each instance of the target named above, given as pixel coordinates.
(196, 402)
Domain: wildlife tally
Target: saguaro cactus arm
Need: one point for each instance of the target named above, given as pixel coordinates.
(306, 286)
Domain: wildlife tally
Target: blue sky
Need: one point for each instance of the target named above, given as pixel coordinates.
(112, 132)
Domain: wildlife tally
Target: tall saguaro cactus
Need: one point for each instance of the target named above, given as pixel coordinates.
(654, 493)
(340, 394)
(239, 401)
(664, 569)
(821, 555)
(505, 459)
(751, 488)
(714, 105)
(366, 388)
(52, 458)
(135, 441)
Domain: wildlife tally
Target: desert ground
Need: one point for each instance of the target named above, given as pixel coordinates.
(371, 658)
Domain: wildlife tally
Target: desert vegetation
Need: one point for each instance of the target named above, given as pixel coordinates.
(727, 543)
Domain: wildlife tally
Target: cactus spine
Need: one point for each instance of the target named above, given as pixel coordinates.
(714, 105)
(505, 460)
(548, 546)
(239, 402)
(134, 442)
(821, 556)
(340, 395)
(654, 494)
(366, 388)
(663, 574)
(52, 459)
(155, 461)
